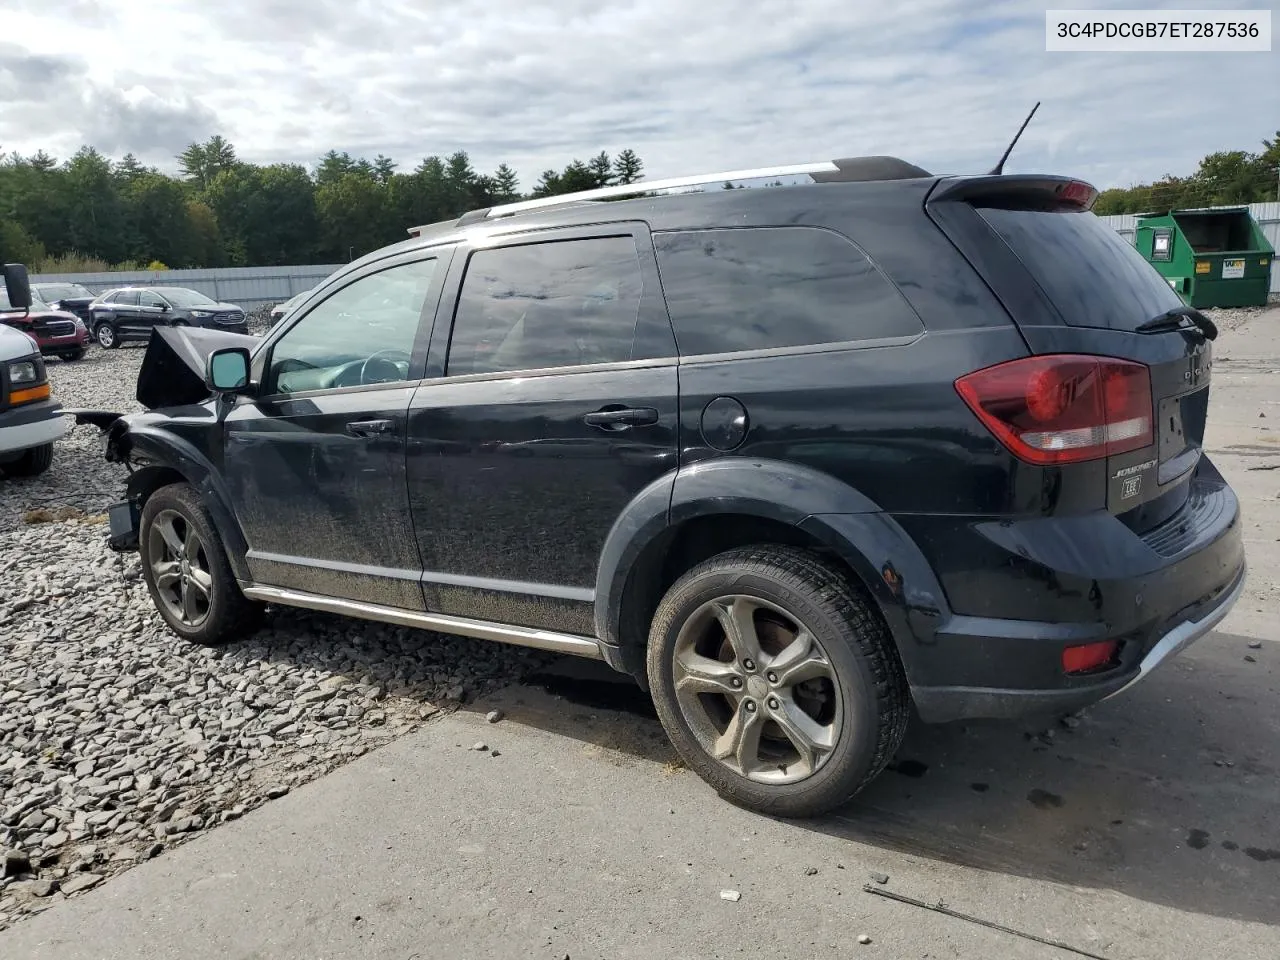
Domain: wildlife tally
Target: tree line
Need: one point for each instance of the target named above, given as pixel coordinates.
(1226, 177)
(223, 211)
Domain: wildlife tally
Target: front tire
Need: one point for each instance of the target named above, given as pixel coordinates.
(32, 463)
(776, 680)
(71, 356)
(107, 336)
(185, 566)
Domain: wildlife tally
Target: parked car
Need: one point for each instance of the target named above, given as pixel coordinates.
(795, 459)
(69, 297)
(131, 313)
(280, 309)
(56, 332)
(30, 419)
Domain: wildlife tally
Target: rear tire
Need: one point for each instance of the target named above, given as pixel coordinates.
(807, 719)
(32, 463)
(185, 566)
(106, 334)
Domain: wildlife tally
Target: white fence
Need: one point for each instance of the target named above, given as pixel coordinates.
(1267, 215)
(247, 287)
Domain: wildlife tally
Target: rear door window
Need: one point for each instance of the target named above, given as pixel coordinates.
(125, 298)
(1092, 275)
(563, 303)
(739, 289)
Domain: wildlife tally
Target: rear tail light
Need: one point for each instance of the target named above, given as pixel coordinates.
(1063, 408)
(1089, 656)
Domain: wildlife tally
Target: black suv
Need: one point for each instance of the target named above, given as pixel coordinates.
(793, 458)
(131, 313)
(68, 297)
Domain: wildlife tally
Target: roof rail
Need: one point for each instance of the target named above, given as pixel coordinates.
(823, 171)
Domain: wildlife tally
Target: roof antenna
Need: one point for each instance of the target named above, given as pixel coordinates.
(999, 167)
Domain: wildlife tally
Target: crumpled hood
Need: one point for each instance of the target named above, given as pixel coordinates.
(173, 368)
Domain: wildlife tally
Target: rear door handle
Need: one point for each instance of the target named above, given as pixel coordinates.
(613, 418)
(368, 429)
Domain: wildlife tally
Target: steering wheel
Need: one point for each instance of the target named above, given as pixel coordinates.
(390, 372)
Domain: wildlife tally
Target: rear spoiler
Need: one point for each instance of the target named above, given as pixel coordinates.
(1034, 191)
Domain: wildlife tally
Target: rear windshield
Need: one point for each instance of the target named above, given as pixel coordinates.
(1094, 277)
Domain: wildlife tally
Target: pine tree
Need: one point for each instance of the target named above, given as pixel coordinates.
(505, 184)
(194, 165)
(42, 161)
(602, 169)
(333, 167)
(129, 169)
(576, 178)
(548, 184)
(383, 169)
(628, 167)
(461, 178)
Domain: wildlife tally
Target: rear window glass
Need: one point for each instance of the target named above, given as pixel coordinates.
(766, 288)
(1093, 276)
(565, 303)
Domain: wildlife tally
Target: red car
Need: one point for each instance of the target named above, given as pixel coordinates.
(57, 332)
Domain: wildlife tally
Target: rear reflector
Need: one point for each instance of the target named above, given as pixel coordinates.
(1089, 656)
(1063, 408)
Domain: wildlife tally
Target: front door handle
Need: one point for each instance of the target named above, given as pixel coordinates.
(619, 418)
(368, 429)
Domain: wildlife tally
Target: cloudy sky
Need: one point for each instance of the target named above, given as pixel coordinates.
(692, 87)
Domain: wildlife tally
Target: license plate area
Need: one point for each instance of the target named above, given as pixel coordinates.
(1182, 422)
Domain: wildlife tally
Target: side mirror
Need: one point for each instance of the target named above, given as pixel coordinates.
(164, 308)
(17, 286)
(227, 370)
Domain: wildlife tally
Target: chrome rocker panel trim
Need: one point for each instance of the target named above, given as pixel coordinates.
(458, 626)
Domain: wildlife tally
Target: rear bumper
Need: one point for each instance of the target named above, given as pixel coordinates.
(942, 704)
(1016, 593)
(55, 345)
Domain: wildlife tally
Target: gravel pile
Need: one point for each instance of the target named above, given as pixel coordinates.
(117, 740)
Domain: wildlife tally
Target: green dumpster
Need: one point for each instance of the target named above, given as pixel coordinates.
(1212, 258)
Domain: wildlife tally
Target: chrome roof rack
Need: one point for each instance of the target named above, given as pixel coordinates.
(857, 168)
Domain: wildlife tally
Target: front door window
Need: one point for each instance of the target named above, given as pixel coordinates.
(363, 334)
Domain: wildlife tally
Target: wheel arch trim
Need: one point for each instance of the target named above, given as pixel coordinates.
(882, 554)
(163, 452)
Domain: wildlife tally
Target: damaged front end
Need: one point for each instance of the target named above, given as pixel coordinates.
(174, 434)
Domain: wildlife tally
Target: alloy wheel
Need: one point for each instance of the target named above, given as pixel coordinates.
(757, 689)
(180, 568)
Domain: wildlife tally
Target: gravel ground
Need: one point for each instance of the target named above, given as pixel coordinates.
(117, 740)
